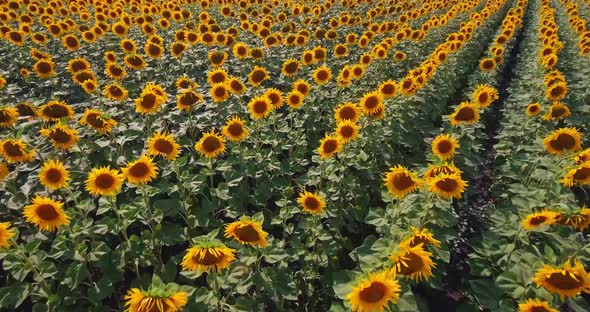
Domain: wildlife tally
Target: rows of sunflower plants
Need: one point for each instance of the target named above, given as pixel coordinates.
(266, 155)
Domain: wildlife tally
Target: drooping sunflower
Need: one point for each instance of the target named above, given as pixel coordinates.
(211, 145)
(447, 185)
(371, 101)
(444, 146)
(556, 111)
(44, 68)
(187, 99)
(401, 181)
(579, 175)
(533, 109)
(322, 75)
(98, 120)
(247, 231)
(579, 220)
(235, 129)
(347, 131)
(535, 220)
(46, 213)
(259, 107)
(55, 110)
(312, 203)
(104, 181)
(54, 175)
(536, 305)
(484, 95)
(62, 136)
(465, 113)
(374, 293)
(566, 280)
(258, 75)
(8, 116)
(208, 256)
(413, 262)
(115, 92)
(436, 170)
(140, 171)
(15, 151)
(347, 111)
(155, 300)
(219, 92)
(563, 140)
(5, 234)
(329, 146)
(418, 237)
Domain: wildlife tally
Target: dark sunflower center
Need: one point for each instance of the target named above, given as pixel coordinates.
(413, 263)
(488, 64)
(402, 181)
(563, 141)
(557, 91)
(322, 75)
(388, 89)
(565, 281)
(95, 121)
(46, 212)
(12, 149)
(407, 84)
(444, 146)
(134, 61)
(330, 146)
(533, 109)
(60, 136)
(189, 99)
(163, 146)
(78, 66)
(235, 129)
(347, 113)
(105, 181)
(4, 117)
(294, 99)
(302, 88)
(71, 42)
(538, 309)
(116, 91)
(291, 67)
(115, 70)
(83, 76)
(260, 107)
(220, 91)
(139, 170)
(557, 111)
(538, 220)
(372, 102)
(448, 185)
(373, 293)
(582, 174)
(247, 234)
(346, 132)
(465, 114)
(55, 111)
(258, 76)
(357, 71)
(53, 175)
(340, 50)
(211, 144)
(218, 78)
(25, 110)
(148, 101)
(312, 203)
(209, 258)
(308, 58)
(483, 97)
(128, 46)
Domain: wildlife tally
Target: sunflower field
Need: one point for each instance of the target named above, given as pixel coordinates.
(294, 155)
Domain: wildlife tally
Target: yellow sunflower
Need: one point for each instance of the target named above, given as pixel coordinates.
(187, 99)
(5, 234)
(3, 171)
(533, 109)
(413, 262)
(62, 137)
(8, 116)
(484, 95)
(556, 91)
(235, 129)
(218, 75)
(563, 140)
(211, 145)
(97, 120)
(259, 107)
(54, 175)
(295, 99)
(347, 111)
(163, 144)
(149, 102)
(208, 256)
(322, 75)
(418, 237)
(556, 111)
(566, 281)
(487, 65)
(134, 61)
(78, 64)
(370, 102)
(465, 113)
(329, 146)
(535, 305)
(275, 96)
(46, 213)
(388, 89)
(302, 86)
(44, 68)
(312, 203)
(579, 175)
(15, 151)
(444, 146)
(55, 110)
(583, 156)
(115, 92)
(104, 181)
(247, 231)
(115, 71)
(347, 131)
(401, 181)
(290, 67)
(236, 86)
(219, 92)
(374, 293)
(140, 171)
(258, 75)
(535, 220)
(160, 301)
(436, 170)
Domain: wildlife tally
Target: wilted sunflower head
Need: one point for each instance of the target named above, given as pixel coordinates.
(208, 256)
(247, 231)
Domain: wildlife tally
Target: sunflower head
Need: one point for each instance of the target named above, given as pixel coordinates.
(347, 131)
(187, 99)
(400, 181)
(104, 181)
(413, 262)
(329, 146)
(258, 75)
(424, 237)
(563, 140)
(444, 146)
(97, 120)
(447, 185)
(567, 280)
(536, 305)
(46, 213)
(556, 111)
(5, 234)
(370, 102)
(247, 231)
(533, 109)
(211, 145)
(536, 220)
(61, 136)
(54, 175)
(8, 116)
(115, 92)
(312, 203)
(219, 92)
(484, 95)
(55, 110)
(375, 292)
(158, 297)
(259, 107)
(140, 171)
(208, 256)
(235, 129)
(465, 113)
(322, 75)
(16, 151)
(163, 144)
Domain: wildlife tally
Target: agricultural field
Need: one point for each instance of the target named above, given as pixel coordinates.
(294, 155)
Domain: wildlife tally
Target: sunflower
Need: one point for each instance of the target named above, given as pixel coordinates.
(46, 213)
(302, 86)
(313, 203)
(582, 156)
(154, 51)
(536, 305)
(140, 171)
(187, 99)
(83, 75)
(134, 61)
(55, 111)
(358, 71)
(163, 144)
(418, 237)
(236, 86)
(128, 45)
(347, 131)
(374, 293)
(98, 121)
(235, 129)
(388, 89)
(436, 170)
(413, 262)
(115, 71)
(110, 56)
(247, 231)
(447, 185)
(275, 96)
(26, 109)
(579, 175)
(347, 111)
(487, 65)
(211, 145)
(155, 300)
(295, 99)
(177, 49)
(78, 64)
(444, 146)
(399, 56)
(217, 59)
(104, 181)
(259, 107)
(371, 101)
(219, 92)
(149, 102)
(44, 68)
(218, 75)
(408, 86)
(535, 220)
(322, 75)
(465, 113)
(329, 146)
(62, 136)
(8, 117)
(563, 140)
(54, 175)
(184, 82)
(484, 95)
(401, 181)
(556, 91)
(208, 256)
(579, 220)
(115, 92)
(15, 151)
(556, 111)
(241, 50)
(258, 75)
(5, 234)
(533, 109)
(290, 67)
(566, 281)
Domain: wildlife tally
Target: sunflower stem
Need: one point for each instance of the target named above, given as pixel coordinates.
(113, 200)
(217, 291)
(23, 255)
